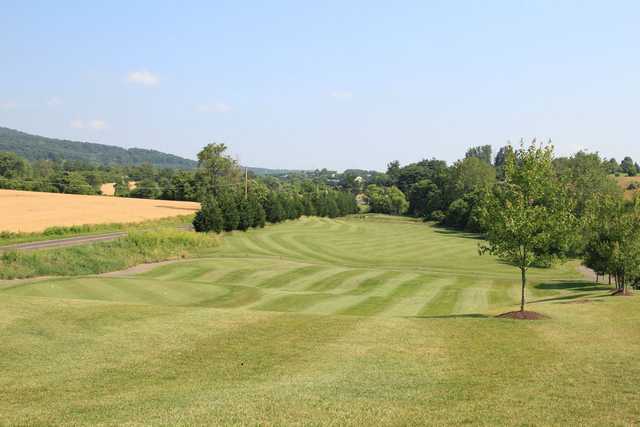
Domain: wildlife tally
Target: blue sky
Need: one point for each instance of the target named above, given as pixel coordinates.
(344, 84)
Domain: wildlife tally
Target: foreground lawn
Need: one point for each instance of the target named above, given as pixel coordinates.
(375, 321)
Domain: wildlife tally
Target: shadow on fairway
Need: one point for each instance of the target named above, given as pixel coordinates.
(582, 289)
(440, 229)
(565, 298)
(452, 316)
(572, 285)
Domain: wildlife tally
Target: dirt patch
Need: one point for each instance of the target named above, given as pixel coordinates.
(522, 315)
(587, 273)
(139, 269)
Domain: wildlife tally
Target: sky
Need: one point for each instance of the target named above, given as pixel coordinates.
(335, 84)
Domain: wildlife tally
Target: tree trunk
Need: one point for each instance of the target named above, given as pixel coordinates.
(524, 284)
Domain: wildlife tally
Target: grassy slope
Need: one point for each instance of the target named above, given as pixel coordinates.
(137, 247)
(348, 321)
(52, 233)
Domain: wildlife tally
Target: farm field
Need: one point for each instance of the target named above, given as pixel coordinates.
(624, 181)
(24, 211)
(352, 321)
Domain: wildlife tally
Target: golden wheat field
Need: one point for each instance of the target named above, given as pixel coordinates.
(24, 211)
(624, 181)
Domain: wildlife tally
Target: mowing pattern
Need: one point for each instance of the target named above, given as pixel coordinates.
(377, 266)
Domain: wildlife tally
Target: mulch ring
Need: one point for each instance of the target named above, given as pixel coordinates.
(522, 315)
(622, 293)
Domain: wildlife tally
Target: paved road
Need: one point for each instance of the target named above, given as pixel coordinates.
(73, 241)
(63, 243)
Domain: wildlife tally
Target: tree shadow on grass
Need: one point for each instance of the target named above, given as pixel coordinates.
(564, 298)
(579, 289)
(451, 316)
(440, 229)
(572, 285)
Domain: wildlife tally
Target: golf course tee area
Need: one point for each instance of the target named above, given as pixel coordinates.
(364, 320)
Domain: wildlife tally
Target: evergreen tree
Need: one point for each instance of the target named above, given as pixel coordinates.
(209, 217)
(321, 204)
(332, 206)
(230, 213)
(260, 216)
(288, 206)
(309, 208)
(246, 213)
(273, 207)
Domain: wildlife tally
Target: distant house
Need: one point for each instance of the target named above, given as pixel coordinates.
(109, 188)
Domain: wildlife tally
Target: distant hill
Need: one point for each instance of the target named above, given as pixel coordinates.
(266, 171)
(33, 147)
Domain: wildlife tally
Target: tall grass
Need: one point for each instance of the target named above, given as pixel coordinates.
(139, 246)
(8, 238)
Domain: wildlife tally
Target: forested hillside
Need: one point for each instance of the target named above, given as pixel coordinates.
(33, 147)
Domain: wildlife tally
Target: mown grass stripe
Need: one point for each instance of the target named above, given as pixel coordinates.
(283, 279)
(334, 281)
(293, 302)
(372, 283)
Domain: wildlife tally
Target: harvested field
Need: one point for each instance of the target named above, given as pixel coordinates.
(624, 182)
(24, 211)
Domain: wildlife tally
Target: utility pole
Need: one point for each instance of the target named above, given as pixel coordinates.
(246, 183)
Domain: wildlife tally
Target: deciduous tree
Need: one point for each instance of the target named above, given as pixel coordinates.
(528, 218)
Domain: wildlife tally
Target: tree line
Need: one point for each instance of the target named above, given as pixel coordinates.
(231, 201)
(532, 208)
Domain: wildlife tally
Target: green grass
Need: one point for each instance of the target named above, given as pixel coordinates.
(9, 238)
(356, 321)
(137, 247)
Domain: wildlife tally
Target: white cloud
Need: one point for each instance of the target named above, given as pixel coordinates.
(97, 124)
(77, 124)
(54, 102)
(218, 107)
(341, 94)
(143, 77)
(7, 105)
(93, 124)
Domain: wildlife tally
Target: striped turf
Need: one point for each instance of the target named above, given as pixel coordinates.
(363, 266)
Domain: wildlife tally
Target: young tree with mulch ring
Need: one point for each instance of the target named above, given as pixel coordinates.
(528, 217)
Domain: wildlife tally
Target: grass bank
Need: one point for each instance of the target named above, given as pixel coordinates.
(139, 246)
(9, 238)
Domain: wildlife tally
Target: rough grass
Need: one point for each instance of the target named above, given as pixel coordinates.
(361, 322)
(9, 238)
(139, 246)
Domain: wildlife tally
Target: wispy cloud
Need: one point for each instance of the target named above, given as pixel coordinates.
(7, 105)
(54, 102)
(218, 107)
(341, 94)
(93, 124)
(143, 77)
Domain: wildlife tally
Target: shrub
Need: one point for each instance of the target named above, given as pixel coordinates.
(209, 217)
(438, 216)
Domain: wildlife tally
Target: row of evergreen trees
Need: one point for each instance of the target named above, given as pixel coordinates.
(233, 210)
